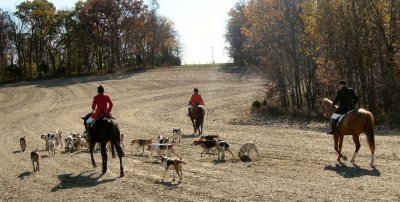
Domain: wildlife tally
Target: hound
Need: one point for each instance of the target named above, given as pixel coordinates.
(246, 148)
(35, 159)
(161, 148)
(141, 143)
(175, 164)
(176, 134)
(22, 143)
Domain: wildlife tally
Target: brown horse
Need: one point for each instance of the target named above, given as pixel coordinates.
(354, 123)
(197, 117)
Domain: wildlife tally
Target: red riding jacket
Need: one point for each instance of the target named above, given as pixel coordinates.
(99, 106)
(196, 100)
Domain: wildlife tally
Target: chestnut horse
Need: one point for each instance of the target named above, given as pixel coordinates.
(354, 123)
(197, 117)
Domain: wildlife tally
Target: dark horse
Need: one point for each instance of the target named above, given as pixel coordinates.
(197, 117)
(354, 123)
(103, 131)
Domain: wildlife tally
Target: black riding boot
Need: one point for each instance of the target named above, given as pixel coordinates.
(88, 133)
(333, 126)
(188, 112)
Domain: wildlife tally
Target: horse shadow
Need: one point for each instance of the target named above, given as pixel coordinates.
(83, 180)
(17, 152)
(354, 171)
(24, 174)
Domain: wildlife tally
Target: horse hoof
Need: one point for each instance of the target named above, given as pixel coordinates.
(94, 165)
(344, 158)
(122, 175)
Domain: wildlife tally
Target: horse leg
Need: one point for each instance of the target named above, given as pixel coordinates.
(112, 150)
(356, 140)
(341, 137)
(194, 126)
(91, 148)
(103, 147)
(121, 154)
(336, 142)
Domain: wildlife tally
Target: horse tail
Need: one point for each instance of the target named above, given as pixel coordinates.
(369, 131)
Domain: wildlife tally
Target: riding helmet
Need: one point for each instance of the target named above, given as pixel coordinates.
(196, 90)
(100, 89)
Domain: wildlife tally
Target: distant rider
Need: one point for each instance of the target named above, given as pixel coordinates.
(195, 100)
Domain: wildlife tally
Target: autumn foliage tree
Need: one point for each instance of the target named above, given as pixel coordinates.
(96, 36)
(306, 46)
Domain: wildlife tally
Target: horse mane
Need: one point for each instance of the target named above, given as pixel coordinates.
(327, 100)
(87, 116)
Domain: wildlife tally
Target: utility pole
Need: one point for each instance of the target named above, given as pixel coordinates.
(212, 55)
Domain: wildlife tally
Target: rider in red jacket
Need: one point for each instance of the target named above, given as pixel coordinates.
(101, 106)
(195, 100)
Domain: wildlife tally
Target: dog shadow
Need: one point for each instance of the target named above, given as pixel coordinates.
(352, 171)
(245, 158)
(140, 155)
(216, 161)
(24, 175)
(17, 152)
(167, 184)
(83, 180)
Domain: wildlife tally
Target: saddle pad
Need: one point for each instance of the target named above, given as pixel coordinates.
(340, 117)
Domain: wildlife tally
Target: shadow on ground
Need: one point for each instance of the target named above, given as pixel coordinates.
(353, 171)
(24, 175)
(69, 181)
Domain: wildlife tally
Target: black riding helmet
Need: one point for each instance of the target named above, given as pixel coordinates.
(196, 90)
(100, 89)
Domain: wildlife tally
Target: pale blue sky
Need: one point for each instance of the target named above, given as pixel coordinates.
(200, 24)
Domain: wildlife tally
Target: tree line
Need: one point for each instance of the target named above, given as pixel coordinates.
(96, 36)
(307, 46)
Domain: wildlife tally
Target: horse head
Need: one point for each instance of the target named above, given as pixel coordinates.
(326, 105)
(86, 118)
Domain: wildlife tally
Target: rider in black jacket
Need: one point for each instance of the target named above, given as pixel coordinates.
(346, 98)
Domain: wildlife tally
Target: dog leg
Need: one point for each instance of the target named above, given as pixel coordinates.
(173, 170)
(166, 169)
(231, 153)
(258, 155)
(208, 152)
(173, 151)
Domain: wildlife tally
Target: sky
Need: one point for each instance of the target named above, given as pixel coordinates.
(200, 24)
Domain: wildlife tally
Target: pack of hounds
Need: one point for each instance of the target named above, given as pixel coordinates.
(162, 146)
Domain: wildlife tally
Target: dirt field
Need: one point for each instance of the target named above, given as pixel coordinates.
(297, 162)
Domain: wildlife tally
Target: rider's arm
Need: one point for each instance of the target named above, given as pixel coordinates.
(337, 99)
(110, 104)
(94, 104)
